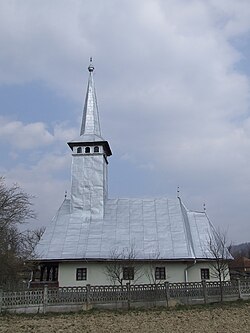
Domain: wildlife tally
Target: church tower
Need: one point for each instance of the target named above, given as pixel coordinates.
(89, 188)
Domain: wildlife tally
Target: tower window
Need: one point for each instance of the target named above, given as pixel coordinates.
(96, 149)
(79, 150)
(87, 150)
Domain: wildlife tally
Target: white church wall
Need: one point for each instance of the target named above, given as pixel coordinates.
(96, 273)
(67, 274)
(194, 273)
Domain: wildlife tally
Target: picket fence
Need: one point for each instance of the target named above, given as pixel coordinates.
(75, 298)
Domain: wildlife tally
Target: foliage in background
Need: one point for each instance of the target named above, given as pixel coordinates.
(16, 247)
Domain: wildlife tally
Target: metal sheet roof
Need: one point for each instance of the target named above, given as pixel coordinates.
(155, 228)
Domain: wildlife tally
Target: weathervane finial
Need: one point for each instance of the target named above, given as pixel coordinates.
(178, 191)
(91, 67)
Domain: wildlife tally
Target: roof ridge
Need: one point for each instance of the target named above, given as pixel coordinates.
(187, 228)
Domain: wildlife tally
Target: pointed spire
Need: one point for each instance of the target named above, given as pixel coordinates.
(90, 128)
(90, 118)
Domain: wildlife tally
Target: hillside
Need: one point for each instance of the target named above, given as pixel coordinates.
(240, 250)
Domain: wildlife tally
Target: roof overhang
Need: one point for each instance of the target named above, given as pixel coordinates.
(105, 144)
(104, 260)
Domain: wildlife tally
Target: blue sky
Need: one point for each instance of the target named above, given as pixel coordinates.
(172, 81)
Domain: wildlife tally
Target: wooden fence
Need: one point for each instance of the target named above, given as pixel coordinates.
(76, 298)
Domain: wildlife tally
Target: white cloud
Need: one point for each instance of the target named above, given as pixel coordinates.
(33, 135)
(64, 133)
(24, 136)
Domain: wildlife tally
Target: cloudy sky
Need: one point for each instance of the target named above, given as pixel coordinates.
(173, 83)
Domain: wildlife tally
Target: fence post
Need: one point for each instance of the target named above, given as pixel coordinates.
(45, 298)
(88, 296)
(204, 287)
(128, 294)
(1, 298)
(239, 288)
(167, 292)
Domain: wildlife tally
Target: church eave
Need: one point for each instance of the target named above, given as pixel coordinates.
(58, 260)
(105, 144)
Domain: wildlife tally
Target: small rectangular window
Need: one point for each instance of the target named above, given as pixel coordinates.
(81, 274)
(160, 273)
(205, 274)
(128, 273)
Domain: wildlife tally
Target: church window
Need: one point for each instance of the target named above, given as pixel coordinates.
(128, 273)
(48, 272)
(81, 274)
(87, 150)
(160, 273)
(79, 150)
(205, 275)
(96, 149)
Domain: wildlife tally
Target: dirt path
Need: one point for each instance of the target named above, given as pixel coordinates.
(228, 318)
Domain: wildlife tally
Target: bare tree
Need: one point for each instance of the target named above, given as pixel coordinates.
(217, 251)
(30, 240)
(15, 205)
(150, 269)
(15, 209)
(121, 262)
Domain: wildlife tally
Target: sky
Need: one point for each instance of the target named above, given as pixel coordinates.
(173, 88)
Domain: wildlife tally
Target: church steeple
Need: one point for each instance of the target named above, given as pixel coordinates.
(90, 133)
(90, 119)
(89, 185)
